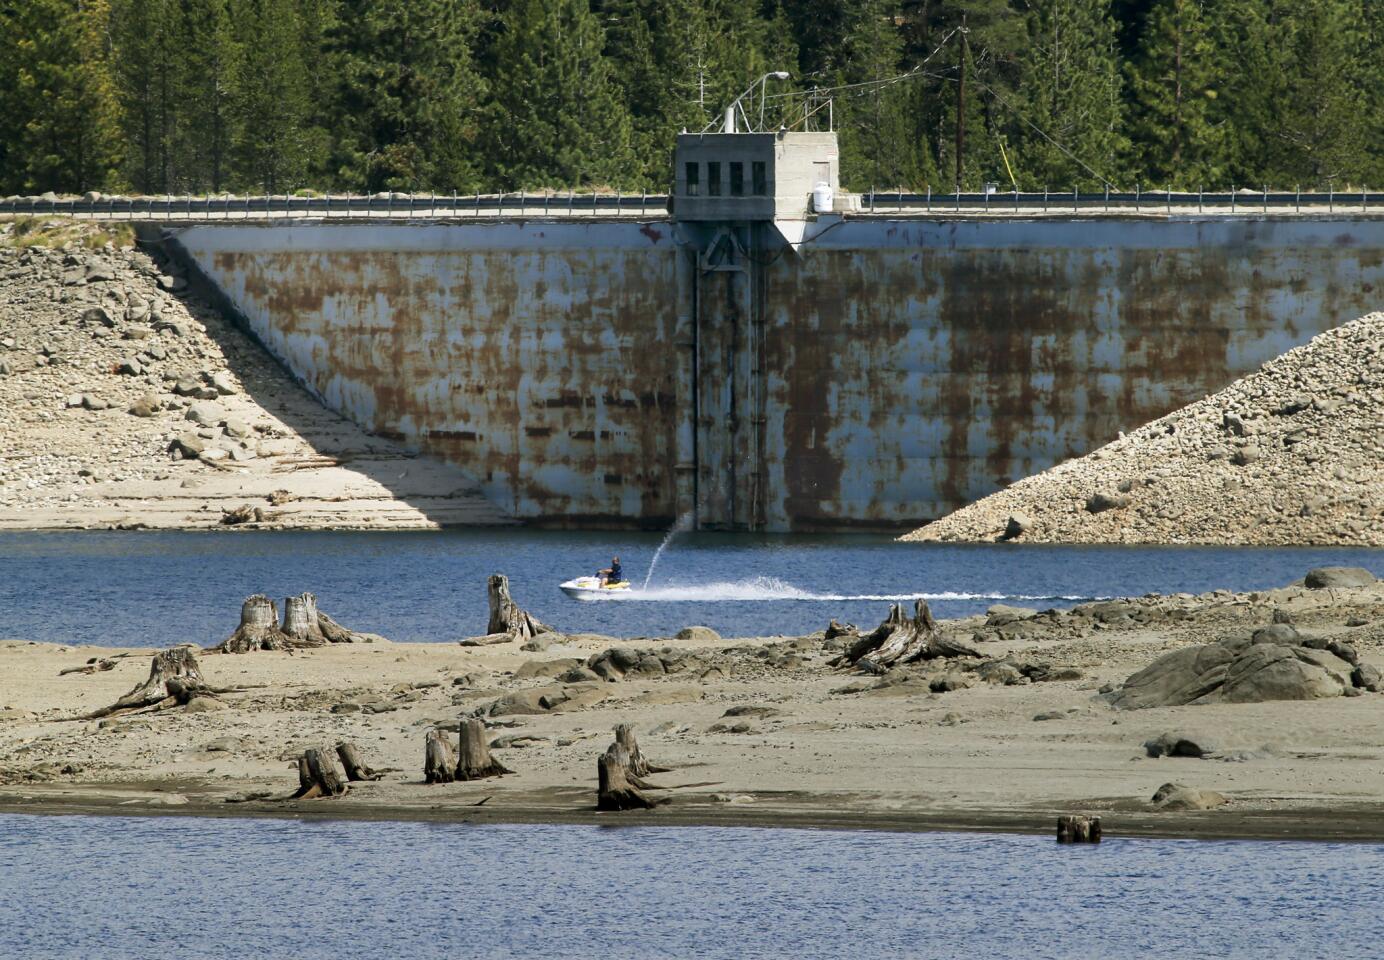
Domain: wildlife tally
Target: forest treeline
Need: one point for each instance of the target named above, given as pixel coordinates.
(195, 96)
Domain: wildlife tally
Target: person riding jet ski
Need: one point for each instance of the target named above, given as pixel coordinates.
(612, 573)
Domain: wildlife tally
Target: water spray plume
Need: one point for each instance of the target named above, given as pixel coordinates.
(684, 522)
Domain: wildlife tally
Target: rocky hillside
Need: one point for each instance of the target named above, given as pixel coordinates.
(1292, 454)
(125, 401)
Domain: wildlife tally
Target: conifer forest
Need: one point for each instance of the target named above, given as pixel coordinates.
(252, 96)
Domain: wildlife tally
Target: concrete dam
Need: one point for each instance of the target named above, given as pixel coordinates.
(769, 356)
(873, 375)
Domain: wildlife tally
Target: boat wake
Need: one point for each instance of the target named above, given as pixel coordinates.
(772, 588)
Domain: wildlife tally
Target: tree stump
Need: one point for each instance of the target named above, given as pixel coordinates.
(614, 790)
(174, 679)
(300, 621)
(1072, 828)
(638, 766)
(355, 767)
(258, 630)
(902, 639)
(473, 754)
(439, 760)
(506, 617)
(318, 776)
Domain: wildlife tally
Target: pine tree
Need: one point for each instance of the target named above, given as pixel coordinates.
(209, 128)
(407, 108)
(1067, 119)
(1321, 115)
(1173, 87)
(58, 103)
(269, 96)
(146, 33)
(557, 118)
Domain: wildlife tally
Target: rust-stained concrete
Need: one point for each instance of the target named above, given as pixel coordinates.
(880, 375)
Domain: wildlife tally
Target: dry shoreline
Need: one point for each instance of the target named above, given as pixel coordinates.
(1363, 824)
(759, 732)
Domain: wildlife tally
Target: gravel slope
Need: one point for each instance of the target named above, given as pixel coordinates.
(1291, 454)
(127, 402)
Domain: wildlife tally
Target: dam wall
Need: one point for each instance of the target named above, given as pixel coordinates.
(877, 374)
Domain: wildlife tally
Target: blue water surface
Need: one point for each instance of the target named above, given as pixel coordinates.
(154, 589)
(114, 888)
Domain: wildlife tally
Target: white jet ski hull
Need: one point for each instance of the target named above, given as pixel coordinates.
(591, 588)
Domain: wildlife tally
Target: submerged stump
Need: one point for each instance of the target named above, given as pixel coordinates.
(508, 621)
(903, 639)
(304, 627)
(439, 759)
(175, 679)
(318, 776)
(258, 630)
(1073, 828)
(614, 791)
(473, 754)
(638, 765)
(356, 768)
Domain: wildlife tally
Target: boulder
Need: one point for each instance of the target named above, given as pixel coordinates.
(205, 414)
(1101, 501)
(1367, 677)
(222, 383)
(1177, 796)
(999, 615)
(1323, 578)
(545, 668)
(698, 635)
(1235, 671)
(1017, 525)
(1275, 633)
(1180, 744)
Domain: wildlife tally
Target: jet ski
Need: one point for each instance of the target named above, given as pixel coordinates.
(593, 588)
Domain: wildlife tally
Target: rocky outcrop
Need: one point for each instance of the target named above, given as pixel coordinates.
(1291, 454)
(1271, 665)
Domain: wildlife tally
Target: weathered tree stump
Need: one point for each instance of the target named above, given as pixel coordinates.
(174, 679)
(304, 627)
(1072, 828)
(508, 622)
(258, 630)
(473, 754)
(439, 760)
(318, 776)
(355, 767)
(902, 639)
(614, 791)
(638, 766)
(301, 621)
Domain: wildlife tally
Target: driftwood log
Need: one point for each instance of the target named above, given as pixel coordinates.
(304, 627)
(638, 766)
(473, 754)
(508, 621)
(1072, 828)
(439, 759)
(903, 639)
(614, 790)
(356, 768)
(318, 776)
(94, 665)
(175, 679)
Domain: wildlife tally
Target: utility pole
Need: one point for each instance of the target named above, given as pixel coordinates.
(961, 109)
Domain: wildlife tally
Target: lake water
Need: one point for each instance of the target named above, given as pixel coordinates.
(156, 589)
(114, 888)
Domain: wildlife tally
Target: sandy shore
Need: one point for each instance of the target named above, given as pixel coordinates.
(811, 745)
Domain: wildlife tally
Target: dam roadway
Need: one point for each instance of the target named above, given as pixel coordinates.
(874, 373)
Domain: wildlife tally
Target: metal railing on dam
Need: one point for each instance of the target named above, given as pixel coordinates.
(874, 203)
